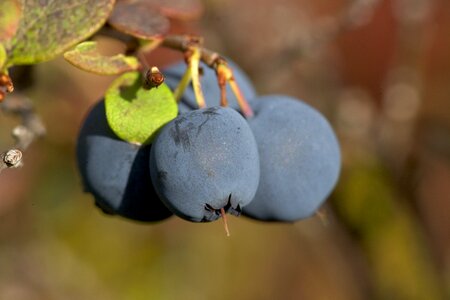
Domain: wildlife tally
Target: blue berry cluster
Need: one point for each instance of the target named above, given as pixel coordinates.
(279, 165)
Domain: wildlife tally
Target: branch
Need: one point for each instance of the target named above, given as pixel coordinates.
(188, 44)
(31, 128)
(184, 42)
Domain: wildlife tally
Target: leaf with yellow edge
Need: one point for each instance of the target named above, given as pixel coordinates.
(86, 57)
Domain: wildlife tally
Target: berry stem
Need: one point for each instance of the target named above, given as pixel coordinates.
(222, 81)
(243, 104)
(194, 61)
(225, 222)
(226, 73)
(182, 85)
(214, 60)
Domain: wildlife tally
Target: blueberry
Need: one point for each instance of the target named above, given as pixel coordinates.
(300, 159)
(116, 172)
(203, 161)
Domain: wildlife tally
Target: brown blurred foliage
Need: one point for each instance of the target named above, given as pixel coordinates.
(378, 69)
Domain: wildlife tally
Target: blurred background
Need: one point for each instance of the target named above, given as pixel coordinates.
(378, 69)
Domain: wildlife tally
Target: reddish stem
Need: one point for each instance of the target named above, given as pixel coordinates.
(222, 81)
(227, 73)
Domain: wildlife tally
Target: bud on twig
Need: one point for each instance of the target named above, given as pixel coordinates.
(12, 158)
(153, 78)
(5, 81)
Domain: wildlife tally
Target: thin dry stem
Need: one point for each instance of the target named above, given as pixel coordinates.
(31, 128)
(222, 81)
(227, 73)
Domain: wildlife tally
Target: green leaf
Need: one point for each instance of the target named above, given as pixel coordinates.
(2, 57)
(86, 57)
(10, 11)
(136, 114)
(48, 27)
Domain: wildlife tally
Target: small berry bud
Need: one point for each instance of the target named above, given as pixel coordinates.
(5, 81)
(153, 78)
